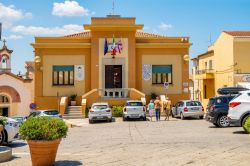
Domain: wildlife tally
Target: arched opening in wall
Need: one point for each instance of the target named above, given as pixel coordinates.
(4, 105)
(4, 61)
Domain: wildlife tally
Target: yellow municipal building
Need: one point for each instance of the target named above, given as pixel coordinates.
(111, 61)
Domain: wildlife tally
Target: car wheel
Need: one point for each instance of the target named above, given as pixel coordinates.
(90, 121)
(223, 121)
(172, 114)
(110, 120)
(1, 137)
(144, 118)
(123, 118)
(182, 116)
(243, 123)
(201, 117)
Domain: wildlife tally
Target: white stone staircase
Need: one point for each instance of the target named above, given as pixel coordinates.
(73, 112)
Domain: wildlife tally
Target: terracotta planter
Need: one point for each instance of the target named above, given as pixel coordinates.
(1, 128)
(43, 152)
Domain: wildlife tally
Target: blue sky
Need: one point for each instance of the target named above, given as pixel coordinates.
(24, 19)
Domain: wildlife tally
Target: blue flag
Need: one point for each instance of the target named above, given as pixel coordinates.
(0, 31)
(106, 48)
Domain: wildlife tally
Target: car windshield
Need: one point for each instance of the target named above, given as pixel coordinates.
(134, 104)
(211, 101)
(100, 107)
(236, 96)
(53, 112)
(193, 103)
(34, 113)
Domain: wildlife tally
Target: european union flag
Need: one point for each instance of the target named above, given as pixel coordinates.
(106, 48)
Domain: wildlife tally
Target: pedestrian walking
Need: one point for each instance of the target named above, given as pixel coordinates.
(167, 108)
(151, 109)
(157, 103)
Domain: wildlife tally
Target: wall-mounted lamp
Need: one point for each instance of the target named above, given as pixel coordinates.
(186, 58)
(37, 60)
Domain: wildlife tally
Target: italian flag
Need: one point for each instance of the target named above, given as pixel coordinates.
(114, 47)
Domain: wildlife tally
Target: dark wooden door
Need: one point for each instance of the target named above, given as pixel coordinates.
(113, 76)
(4, 112)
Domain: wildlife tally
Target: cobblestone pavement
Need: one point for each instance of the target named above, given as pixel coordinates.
(174, 142)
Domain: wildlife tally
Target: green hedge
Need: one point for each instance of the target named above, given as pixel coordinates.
(43, 128)
(246, 125)
(117, 111)
(3, 120)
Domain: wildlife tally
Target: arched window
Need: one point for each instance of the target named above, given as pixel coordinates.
(4, 99)
(4, 61)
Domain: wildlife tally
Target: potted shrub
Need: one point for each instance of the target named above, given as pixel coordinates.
(73, 100)
(3, 121)
(246, 125)
(43, 135)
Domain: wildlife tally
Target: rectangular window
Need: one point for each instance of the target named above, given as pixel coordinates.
(161, 74)
(210, 64)
(63, 75)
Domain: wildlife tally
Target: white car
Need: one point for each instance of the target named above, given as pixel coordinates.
(239, 108)
(10, 132)
(100, 111)
(134, 109)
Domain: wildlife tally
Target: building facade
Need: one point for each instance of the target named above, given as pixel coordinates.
(225, 64)
(16, 91)
(110, 61)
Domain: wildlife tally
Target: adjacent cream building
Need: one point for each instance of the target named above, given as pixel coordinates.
(225, 64)
(16, 91)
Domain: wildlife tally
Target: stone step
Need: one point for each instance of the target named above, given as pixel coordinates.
(73, 112)
(72, 117)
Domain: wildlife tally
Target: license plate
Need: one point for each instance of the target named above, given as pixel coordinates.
(99, 117)
(134, 115)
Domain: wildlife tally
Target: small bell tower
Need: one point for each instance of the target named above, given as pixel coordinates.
(5, 58)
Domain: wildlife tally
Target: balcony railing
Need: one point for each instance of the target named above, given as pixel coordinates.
(115, 93)
(204, 71)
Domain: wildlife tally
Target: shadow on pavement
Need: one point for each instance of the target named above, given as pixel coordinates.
(68, 163)
(239, 132)
(17, 144)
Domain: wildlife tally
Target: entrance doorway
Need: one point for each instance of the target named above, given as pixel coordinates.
(113, 76)
(4, 105)
(4, 111)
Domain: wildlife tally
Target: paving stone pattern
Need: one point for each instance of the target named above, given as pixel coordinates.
(138, 143)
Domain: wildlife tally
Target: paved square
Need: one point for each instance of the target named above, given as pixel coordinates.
(174, 142)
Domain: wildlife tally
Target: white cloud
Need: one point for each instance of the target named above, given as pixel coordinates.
(165, 26)
(13, 37)
(69, 8)
(9, 14)
(44, 31)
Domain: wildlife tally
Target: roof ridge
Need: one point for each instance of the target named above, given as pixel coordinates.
(238, 33)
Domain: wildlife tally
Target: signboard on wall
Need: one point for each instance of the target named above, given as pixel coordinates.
(79, 72)
(146, 72)
(166, 85)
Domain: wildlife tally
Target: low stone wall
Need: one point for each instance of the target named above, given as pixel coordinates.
(5, 153)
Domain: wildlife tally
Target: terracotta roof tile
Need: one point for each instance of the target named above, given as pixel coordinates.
(238, 33)
(147, 35)
(87, 34)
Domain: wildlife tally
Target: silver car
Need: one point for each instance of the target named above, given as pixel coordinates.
(188, 108)
(50, 113)
(134, 109)
(100, 111)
